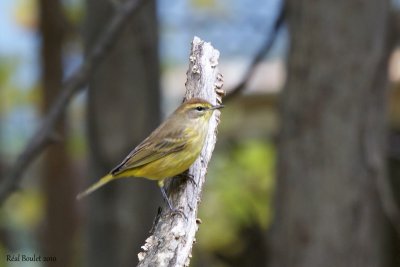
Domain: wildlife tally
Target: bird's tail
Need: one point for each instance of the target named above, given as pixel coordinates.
(95, 186)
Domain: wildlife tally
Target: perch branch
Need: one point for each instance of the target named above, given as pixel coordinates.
(264, 49)
(44, 135)
(173, 236)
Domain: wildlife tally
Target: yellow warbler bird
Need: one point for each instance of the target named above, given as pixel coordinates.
(169, 150)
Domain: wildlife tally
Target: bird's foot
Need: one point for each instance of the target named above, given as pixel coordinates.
(172, 211)
(187, 176)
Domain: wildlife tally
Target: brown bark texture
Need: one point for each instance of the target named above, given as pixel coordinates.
(173, 236)
(58, 186)
(123, 108)
(332, 142)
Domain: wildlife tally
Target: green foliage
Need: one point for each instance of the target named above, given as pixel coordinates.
(76, 140)
(20, 217)
(25, 14)
(203, 3)
(23, 211)
(12, 96)
(74, 11)
(237, 194)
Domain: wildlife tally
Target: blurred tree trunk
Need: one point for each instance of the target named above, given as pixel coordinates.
(124, 107)
(58, 186)
(331, 148)
(394, 174)
(394, 156)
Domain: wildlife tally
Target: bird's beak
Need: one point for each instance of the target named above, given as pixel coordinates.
(217, 107)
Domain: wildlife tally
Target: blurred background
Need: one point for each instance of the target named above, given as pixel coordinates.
(307, 163)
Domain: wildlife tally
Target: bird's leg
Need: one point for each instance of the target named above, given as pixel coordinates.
(166, 198)
(171, 208)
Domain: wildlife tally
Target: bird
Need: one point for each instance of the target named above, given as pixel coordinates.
(169, 150)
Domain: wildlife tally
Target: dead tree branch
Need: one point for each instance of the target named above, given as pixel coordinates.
(264, 49)
(173, 235)
(45, 134)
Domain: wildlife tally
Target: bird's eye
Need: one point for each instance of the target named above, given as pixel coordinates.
(199, 108)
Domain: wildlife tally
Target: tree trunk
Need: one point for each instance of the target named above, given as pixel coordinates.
(58, 186)
(124, 107)
(331, 148)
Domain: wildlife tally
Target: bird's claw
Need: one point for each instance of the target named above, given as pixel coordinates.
(189, 177)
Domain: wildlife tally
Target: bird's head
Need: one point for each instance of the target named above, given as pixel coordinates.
(198, 109)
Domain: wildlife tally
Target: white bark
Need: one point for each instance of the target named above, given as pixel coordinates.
(174, 235)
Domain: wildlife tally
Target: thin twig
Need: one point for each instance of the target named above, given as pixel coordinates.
(71, 87)
(264, 49)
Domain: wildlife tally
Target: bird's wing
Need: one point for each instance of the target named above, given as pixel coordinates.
(149, 151)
